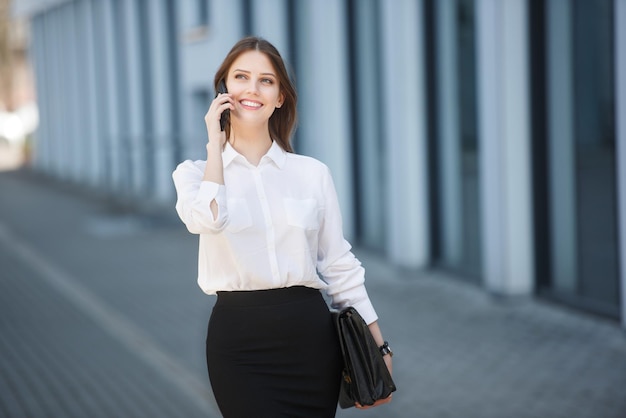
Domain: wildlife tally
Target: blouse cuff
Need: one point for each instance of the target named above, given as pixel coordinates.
(366, 309)
(210, 191)
(359, 300)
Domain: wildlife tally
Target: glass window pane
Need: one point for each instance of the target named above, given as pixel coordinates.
(581, 155)
(594, 130)
(456, 204)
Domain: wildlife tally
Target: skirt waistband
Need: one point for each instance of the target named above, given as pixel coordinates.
(266, 297)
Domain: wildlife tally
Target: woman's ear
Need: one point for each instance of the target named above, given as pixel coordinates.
(281, 100)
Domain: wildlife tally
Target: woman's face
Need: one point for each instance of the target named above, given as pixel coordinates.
(255, 88)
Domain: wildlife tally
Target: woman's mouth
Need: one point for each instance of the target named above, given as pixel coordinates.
(250, 104)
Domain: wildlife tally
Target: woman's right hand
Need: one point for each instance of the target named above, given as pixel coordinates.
(222, 102)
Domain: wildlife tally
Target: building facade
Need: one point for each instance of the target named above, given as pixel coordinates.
(484, 137)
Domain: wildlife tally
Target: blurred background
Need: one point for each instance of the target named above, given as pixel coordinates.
(480, 139)
(475, 136)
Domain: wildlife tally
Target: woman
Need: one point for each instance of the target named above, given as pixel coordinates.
(269, 221)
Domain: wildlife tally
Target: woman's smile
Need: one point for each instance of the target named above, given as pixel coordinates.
(250, 104)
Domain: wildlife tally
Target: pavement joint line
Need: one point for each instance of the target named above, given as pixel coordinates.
(120, 328)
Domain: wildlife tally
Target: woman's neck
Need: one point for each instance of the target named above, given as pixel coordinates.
(252, 144)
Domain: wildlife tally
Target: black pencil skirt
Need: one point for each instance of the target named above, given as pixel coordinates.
(273, 353)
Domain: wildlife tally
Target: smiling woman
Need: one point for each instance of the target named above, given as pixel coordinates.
(255, 91)
(269, 221)
(270, 72)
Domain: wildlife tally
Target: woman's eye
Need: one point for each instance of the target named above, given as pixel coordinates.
(267, 81)
(240, 76)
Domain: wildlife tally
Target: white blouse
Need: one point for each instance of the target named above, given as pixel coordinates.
(278, 225)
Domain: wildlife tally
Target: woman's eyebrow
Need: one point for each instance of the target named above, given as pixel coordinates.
(248, 72)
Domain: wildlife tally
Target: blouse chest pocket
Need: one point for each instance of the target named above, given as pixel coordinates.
(239, 217)
(302, 213)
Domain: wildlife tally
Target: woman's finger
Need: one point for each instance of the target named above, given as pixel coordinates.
(377, 403)
(220, 104)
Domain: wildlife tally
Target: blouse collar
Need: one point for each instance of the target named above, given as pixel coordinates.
(275, 154)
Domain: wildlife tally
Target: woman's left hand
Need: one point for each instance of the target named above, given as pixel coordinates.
(378, 402)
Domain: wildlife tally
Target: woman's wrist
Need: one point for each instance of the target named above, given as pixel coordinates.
(386, 350)
(214, 168)
(376, 333)
(214, 146)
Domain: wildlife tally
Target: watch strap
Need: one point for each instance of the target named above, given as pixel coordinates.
(385, 349)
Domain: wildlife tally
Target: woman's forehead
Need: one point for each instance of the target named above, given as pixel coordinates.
(253, 61)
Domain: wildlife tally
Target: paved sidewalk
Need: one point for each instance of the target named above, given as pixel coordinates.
(100, 316)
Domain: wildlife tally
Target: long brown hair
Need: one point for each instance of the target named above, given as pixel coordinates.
(283, 121)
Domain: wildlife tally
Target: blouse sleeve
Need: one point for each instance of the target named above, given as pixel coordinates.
(194, 197)
(338, 266)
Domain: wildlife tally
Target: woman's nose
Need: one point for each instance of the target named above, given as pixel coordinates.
(253, 87)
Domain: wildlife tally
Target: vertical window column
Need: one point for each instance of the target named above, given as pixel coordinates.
(109, 90)
(89, 132)
(369, 128)
(161, 107)
(404, 98)
(99, 19)
(454, 153)
(133, 153)
(56, 57)
(504, 144)
(561, 147)
(76, 146)
(582, 194)
(448, 128)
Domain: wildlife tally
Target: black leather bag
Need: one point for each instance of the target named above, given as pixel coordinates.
(365, 376)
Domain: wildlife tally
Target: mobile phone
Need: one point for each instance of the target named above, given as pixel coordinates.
(225, 116)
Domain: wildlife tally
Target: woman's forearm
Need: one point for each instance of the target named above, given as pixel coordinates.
(214, 170)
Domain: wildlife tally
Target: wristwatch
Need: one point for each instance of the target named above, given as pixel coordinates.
(385, 349)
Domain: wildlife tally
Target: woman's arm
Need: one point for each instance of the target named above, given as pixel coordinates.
(343, 272)
(195, 197)
(200, 192)
(214, 170)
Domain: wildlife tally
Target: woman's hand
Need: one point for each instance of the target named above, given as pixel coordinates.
(378, 402)
(222, 102)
